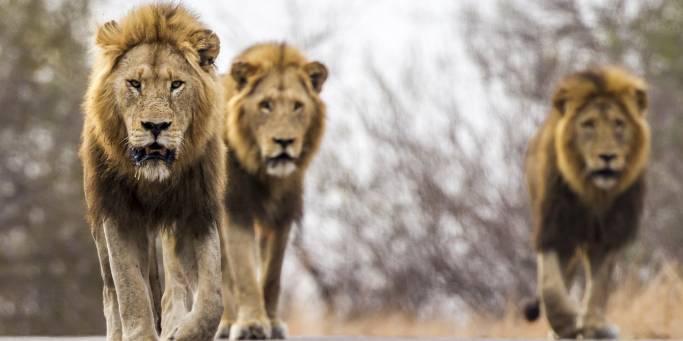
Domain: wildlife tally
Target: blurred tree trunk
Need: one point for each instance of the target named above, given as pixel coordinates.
(49, 271)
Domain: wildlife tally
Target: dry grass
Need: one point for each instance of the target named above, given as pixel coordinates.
(649, 311)
(653, 310)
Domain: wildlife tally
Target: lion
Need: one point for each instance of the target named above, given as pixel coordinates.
(275, 122)
(154, 163)
(586, 174)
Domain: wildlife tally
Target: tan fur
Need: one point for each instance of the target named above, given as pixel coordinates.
(273, 96)
(155, 69)
(585, 172)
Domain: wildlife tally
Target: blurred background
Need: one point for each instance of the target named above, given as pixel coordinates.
(417, 219)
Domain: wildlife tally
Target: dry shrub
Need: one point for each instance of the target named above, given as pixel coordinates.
(649, 310)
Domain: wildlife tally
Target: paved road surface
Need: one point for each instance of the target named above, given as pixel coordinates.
(300, 338)
(304, 338)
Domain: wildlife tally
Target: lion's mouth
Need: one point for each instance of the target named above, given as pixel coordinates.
(605, 178)
(605, 173)
(283, 157)
(281, 165)
(151, 152)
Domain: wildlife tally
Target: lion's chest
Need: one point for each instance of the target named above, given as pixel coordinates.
(566, 221)
(250, 199)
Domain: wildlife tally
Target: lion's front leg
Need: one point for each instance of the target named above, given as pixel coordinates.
(273, 245)
(129, 261)
(229, 307)
(199, 260)
(560, 310)
(155, 284)
(110, 304)
(175, 302)
(600, 265)
(252, 321)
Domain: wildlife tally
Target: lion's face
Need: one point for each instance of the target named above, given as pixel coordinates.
(604, 135)
(275, 117)
(279, 113)
(154, 90)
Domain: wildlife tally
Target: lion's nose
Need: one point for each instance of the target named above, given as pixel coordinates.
(607, 157)
(156, 128)
(284, 143)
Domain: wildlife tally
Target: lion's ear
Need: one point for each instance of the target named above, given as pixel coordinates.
(560, 101)
(207, 45)
(108, 35)
(241, 71)
(641, 99)
(317, 73)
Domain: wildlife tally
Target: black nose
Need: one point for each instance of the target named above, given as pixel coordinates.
(608, 157)
(283, 142)
(156, 128)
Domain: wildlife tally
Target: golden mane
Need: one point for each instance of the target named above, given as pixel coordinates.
(567, 210)
(158, 23)
(574, 92)
(150, 24)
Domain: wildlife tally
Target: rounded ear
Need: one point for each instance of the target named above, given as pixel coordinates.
(641, 99)
(207, 45)
(241, 71)
(560, 101)
(108, 35)
(317, 73)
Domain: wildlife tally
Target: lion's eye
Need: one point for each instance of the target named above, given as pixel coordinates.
(265, 106)
(176, 84)
(298, 106)
(619, 123)
(588, 123)
(134, 83)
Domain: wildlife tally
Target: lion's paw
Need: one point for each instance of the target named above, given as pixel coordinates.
(607, 332)
(278, 330)
(172, 335)
(224, 329)
(250, 330)
(573, 333)
(191, 330)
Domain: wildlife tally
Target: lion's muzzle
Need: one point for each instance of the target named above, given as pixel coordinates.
(281, 165)
(154, 151)
(605, 178)
(606, 170)
(282, 161)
